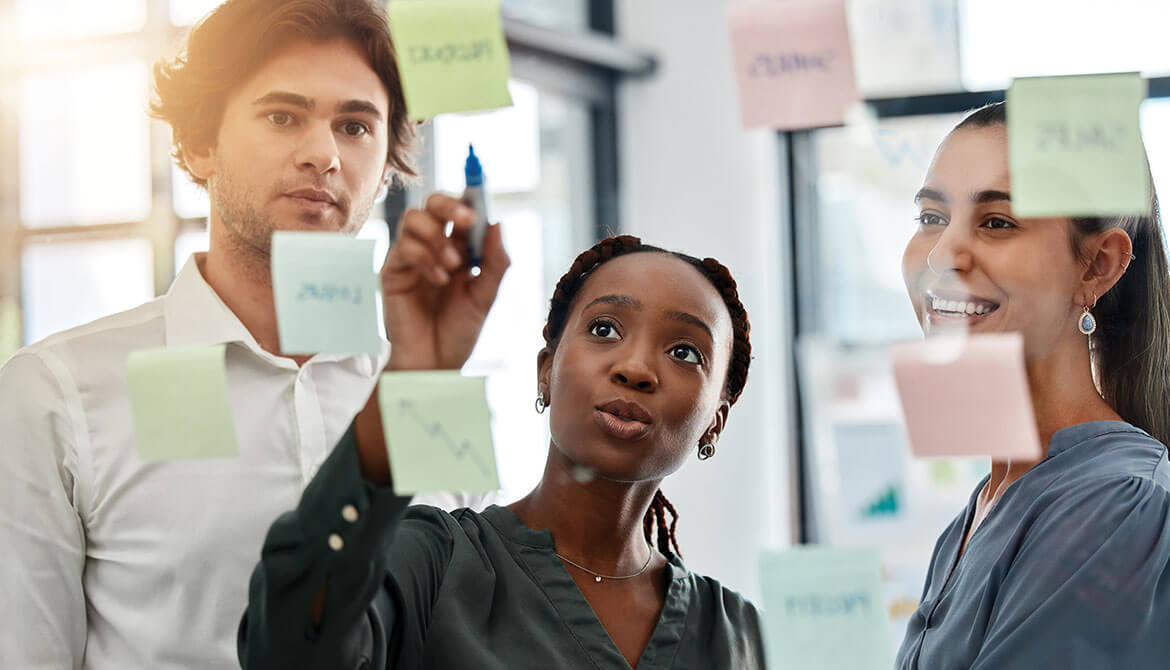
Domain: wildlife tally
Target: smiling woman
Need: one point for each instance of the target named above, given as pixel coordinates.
(1061, 562)
(645, 352)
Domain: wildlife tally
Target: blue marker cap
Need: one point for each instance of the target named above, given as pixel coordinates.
(472, 171)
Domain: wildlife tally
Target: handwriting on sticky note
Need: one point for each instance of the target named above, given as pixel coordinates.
(438, 432)
(179, 403)
(325, 293)
(1076, 147)
(966, 397)
(824, 608)
(452, 55)
(793, 62)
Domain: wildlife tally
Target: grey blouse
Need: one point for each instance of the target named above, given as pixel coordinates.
(419, 588)
(1070, 569)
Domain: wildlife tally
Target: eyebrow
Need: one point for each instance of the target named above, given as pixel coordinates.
(619, 300)
(978, 197)
(684, 317)
(308, 104)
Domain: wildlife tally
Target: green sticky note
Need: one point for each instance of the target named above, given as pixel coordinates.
(1076, 146)
(451, 54)
(179, 403)
(324, 292)
(438, 432)
(824, 608)
(10, 329)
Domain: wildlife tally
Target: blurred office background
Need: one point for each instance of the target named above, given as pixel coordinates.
(625, 120)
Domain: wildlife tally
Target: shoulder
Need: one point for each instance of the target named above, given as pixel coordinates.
(722, 601)
(1111, 461)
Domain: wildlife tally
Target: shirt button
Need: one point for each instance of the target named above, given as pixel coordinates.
(335, 542)
(349, 513)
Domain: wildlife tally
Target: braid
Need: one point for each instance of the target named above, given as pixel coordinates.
(656, 517)
(737, 368)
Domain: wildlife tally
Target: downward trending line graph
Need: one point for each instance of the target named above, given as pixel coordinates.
(460, 450)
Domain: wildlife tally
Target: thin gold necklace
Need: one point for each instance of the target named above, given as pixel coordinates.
(598, 577)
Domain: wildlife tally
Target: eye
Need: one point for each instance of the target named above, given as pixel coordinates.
(604, 329)
(355, 128)
(930, 219)
(279, 118)
(997, 223)
(686, 353)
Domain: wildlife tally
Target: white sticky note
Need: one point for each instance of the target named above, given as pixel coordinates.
(325, 293)
(966, 397)
(824, 608)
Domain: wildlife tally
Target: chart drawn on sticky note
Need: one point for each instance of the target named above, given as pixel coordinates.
(438, 432)
(1075, 146)
(325, 293)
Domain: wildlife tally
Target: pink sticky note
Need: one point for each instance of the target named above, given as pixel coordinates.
(966, 397)
(793, 63)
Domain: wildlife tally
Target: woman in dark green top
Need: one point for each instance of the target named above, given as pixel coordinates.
(1062, 562)
(645, 353)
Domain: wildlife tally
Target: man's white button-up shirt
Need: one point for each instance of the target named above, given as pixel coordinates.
(112, 562)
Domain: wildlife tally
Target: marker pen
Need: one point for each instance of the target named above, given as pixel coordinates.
(475, 198)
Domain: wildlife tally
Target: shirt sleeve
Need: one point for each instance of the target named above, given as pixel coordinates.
(1089, 586)
(342, 535)
(44, 615)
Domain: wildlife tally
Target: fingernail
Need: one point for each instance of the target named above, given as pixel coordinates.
(451, 258)
(442, 275)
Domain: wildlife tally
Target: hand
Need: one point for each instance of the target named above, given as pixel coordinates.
(433, 306)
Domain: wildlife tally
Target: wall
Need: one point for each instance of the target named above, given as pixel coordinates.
(692, 179)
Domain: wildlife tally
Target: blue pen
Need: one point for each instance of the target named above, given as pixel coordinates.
(476, 199)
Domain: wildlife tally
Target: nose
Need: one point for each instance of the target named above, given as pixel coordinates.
(951, 252)
(318, 150)
(633, 370)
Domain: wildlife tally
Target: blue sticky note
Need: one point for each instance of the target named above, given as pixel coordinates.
(1075, 146)
(179, 403)
(824, 608)
(438, 432)
(325, 293)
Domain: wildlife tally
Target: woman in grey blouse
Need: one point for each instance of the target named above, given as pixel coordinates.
(1063, 562)
(645, 353)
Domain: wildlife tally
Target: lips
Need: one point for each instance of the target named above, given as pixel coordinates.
(314, 195)
(623, 419)
(624, 409)
(959, 305)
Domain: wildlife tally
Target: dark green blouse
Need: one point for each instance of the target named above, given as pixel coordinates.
(419, 588)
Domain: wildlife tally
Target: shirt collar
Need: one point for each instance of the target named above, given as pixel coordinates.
(1067, 438)
(196, 316)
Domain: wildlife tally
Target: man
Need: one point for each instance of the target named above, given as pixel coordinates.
(291, 114)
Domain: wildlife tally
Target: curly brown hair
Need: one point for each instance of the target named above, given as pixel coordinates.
(229, 44)
(720, 277)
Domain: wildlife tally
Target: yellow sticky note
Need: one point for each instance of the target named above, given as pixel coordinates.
(825, 608)
(1076, 146)
(179, 403)
(10, 329)
(452, 55)
(438, 432)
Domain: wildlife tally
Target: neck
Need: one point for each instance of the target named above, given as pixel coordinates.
(597, 523)
(242, 278)
(1063, 394)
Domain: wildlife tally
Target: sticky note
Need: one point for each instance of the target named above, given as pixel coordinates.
(793, 63)
(325, 293)
(179, 403)
(966, 396)
(452, 56)
(1075, 146)
(438, 432)
(10, 329)
(824, 608)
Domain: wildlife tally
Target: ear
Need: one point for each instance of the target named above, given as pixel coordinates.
(711, 435)
(1110, 256)
(544, 361)
(199, 159)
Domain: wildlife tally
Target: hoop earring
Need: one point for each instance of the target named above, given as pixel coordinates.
(1087, 323)
(706, 450)
(541, 403)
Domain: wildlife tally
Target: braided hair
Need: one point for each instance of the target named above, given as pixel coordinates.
(737, 368)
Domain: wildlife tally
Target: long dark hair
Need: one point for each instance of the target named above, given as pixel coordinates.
(737, 368)
(1132, 339)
